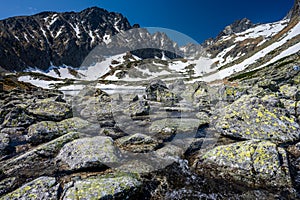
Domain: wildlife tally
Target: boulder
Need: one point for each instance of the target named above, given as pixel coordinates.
(101, 187)
(4, 144)
(138, 143)
(48, 109)
(251, 163)
(158, 91)
(47, 130)
(252, 118)
(40, 188)
(177, 125)
(17, 117)
(139, 108)
(37, 161)
(86, 153)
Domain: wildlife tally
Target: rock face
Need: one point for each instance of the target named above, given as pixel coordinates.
(57, 38)
(236, 27)
(122, 187)
(253, 118)
(252, 163)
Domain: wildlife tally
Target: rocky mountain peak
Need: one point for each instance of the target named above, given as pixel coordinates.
(295, 11)
(51, 38)
(237, 27)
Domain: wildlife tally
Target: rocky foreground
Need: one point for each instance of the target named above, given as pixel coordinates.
(238, 140)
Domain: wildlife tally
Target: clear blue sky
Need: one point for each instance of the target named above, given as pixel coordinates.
(199, 19)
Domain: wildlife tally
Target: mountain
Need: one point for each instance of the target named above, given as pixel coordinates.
(56, 39)
(51, 38)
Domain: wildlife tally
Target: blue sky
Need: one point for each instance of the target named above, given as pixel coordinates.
(198, 19)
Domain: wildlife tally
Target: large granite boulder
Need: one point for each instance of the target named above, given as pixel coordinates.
(138, 143)
(253, 118)
(40, 188)
(252, 163)
(48, 109)
(85, 153)
(47, 130)
(104, 187)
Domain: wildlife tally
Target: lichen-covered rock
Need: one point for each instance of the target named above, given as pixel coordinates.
(253, 163)
(4, 144)
(17, 118)
(88, 153)
(40, 188)
(111, 132)
(139, 108)
(291, 92)
(114, 187)
(230, 93)
(293, 107)
(47, 130)
(48, 109)
(37, 161)
(179, 125)
(6, 184)
(268, 84)
(135, 166)
(96, 110)
(138, 143)
(157, 90)
(253, 118)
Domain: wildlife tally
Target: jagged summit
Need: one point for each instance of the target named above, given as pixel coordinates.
(55, 38)
(295, 11)
(236, 27)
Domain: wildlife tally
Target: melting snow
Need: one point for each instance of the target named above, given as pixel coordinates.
(106, 39)
(264, 30)
(38, 82)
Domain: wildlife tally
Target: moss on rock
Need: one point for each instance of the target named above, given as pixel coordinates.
(252, 163)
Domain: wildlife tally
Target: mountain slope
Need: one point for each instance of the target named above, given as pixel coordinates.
(58, 39)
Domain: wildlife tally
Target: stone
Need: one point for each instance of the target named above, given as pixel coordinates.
(139, 108)
(4, 144)
(101, 187)
(111, 132)
(48, 109)
(40, 188)
(138, 143)
(47, 130)
(17, 118)
(179, 125)
(37, 161)
(252, 163)
(86, 153)
(253, 118)
(157, 90)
